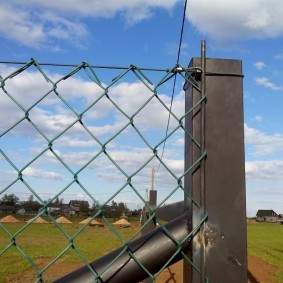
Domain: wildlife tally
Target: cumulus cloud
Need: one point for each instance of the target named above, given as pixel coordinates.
(37, 173)
(38, 24)
(132, 96)
(237, 19)
(262, 143)
(21, 28)
(52, 115)
(67, 141)
(37, 29)
(131, 161)
(136, 161)
(75, 146)
(134, 10)
(259, 65)
(265, 82)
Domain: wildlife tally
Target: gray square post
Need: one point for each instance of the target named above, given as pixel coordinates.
(219, 248)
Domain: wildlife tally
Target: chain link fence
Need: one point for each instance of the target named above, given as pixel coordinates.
(93, 134)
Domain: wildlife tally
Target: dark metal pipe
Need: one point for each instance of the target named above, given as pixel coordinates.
(152, 250)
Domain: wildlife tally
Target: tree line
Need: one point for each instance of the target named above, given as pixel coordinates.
(114, 209)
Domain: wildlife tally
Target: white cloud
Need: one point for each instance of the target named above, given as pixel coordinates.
(37, 173)
(21, 27)
(258, 118)
(180, 142)
(52, 116)
(130, 161)
(134, 10)
(259, 65)
(237, 19)
(132, 96)
(39, 23)
(265, 82)
(68, 141)
(76, 147)
(263, 144)
(269, 170)
(279, 56)
(37, 29)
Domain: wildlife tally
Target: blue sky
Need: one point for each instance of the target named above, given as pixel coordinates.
(144, 33)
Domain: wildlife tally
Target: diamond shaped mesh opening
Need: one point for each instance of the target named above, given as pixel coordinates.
(82, 145)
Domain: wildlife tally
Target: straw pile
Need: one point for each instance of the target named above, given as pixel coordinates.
(92, 223)
(38, 220)
(122, 223)
(63, 220)
(9, 219)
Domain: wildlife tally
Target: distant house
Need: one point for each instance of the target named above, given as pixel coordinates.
(60, 209)
(66, 209)
(79, 205)
(53, 208)
(266, 215)
(280, 219)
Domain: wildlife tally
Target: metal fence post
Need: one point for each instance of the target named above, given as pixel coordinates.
(145, 216)
(219, 249)
(146, 213)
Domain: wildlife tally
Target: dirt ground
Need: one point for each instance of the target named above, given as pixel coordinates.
(258, 272)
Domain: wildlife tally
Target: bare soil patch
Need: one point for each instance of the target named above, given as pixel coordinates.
(56, 271)
(260, 271)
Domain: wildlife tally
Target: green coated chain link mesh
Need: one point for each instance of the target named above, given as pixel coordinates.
(32, 139)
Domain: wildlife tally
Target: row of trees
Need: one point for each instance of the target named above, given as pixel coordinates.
(115, 210)
(112, 210)
(13, 200)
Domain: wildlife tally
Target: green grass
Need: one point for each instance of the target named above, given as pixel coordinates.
(43, 242)
(265, 240)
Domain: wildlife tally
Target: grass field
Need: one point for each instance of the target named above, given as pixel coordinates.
(265, 240)
(43, 242)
